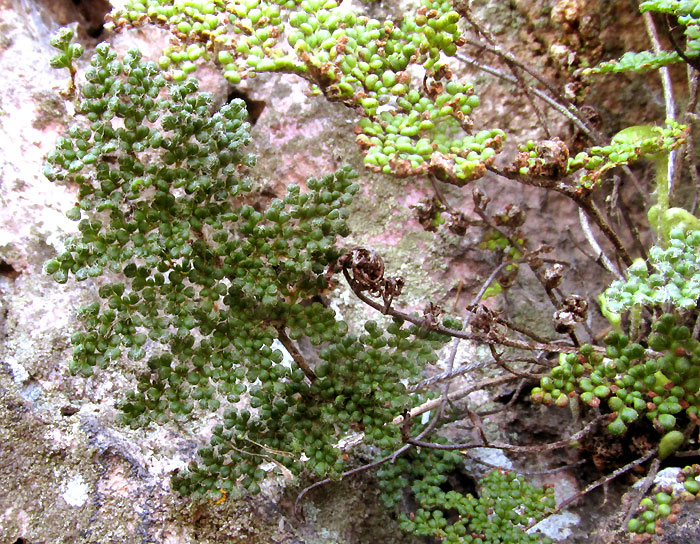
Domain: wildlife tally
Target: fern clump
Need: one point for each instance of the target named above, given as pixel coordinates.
(190, 272)
(505, 505)
(659, 382)
(408, 125)
(220, 289)
(674, 278)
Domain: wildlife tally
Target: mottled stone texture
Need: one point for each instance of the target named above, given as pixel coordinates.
(68, 473)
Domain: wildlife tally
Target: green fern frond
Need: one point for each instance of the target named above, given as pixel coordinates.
(643, 61)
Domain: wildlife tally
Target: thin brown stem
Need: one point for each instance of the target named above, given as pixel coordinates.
(593, 213)
(535, 269)
(291, 347)
(509, 404)
(642, 490)
(513, 398)
(590, 238)
(489, 338)
(497, 357)
(506, 56)
(476, 421)
(627, 218)
(455, 343)
(525, 472)
(559, 103)
(510, 447)
(598, 483)
(583, 200)
(454, 396)
(584, 252)
(527, 89)
(521, 329)
(556, 106)
(440, 195)
(469, 367)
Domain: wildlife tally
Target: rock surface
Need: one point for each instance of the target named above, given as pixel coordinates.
(68, 473)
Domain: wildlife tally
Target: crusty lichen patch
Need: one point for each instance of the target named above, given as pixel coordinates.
(63, 481)
(349, 511)
(50, 108)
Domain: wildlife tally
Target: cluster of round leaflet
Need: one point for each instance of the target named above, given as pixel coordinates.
(418, 470)
(675, 277)
(665, 504)
(409, 125)
(359, 388)
(652, 510)
(660, 382)
(486, 517)
(551, 158)
(68, 51)
(622, 151)
(505, 506)
(210, 281)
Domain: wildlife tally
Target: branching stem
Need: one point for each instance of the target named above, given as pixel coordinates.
(598, 483)
(291, 347)
(488, 338)
(510, 447)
